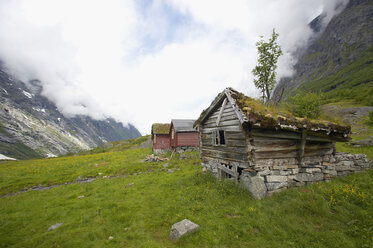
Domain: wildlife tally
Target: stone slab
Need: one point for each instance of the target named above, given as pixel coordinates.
(182, 228)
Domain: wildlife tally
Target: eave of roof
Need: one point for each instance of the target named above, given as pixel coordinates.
(183, 125)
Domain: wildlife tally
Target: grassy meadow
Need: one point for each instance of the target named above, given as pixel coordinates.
(138, 209)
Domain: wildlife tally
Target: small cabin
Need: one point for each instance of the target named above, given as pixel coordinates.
(183, 136)
(265, 150)
(161, 137)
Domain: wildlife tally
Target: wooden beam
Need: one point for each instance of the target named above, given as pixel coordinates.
(228, 171)
(221, 111)
(199, 128)
(236, 173)
(302, 145)
(239, 114)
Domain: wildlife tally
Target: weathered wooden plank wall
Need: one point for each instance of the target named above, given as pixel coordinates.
(187, 139)
(162, 141)
(235, 149)
(279, 146)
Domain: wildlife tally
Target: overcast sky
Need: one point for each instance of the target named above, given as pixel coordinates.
(144, 61)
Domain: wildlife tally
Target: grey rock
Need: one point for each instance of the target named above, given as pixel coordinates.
(272, 179)
(182, 228)
(310, 170)
(165, 165)
(326, 53)
(305, 177)
(348, 163)
(129, 185)
(342, 167)
(255, 185)
(360, 143)
(31, 121)
(182, 156)
(276, 186)
(55, 226)
(171, 170)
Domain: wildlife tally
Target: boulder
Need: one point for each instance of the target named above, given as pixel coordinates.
(182, 228)
(255, 185)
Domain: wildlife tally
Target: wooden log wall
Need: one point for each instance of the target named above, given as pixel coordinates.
(235, 148)
(282, 144)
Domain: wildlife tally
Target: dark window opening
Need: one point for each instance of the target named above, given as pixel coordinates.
(222, 137)
(239, 171)
(218, 137)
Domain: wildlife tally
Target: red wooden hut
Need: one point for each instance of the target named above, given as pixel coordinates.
(182, 135)
(161, 137)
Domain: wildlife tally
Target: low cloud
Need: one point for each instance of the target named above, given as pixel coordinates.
(147, 61)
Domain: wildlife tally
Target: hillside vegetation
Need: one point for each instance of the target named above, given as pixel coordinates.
(138, 207)
(354, 82)
(338, 60)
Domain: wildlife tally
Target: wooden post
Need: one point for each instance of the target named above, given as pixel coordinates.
(302, 145)
(221, 111)
(236, 173)
(200, 141)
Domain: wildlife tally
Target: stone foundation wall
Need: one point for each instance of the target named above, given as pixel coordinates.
(272, 175)
(160, 151)
(181, 149)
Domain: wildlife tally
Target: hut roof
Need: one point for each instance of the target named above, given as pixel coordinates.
(161, 128)
(251, 112)
(183, 125)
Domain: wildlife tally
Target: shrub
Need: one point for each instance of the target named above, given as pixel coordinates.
(306, 104)
(371, 116)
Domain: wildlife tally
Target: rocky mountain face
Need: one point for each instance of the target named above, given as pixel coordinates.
(338, 56)
(31, 126)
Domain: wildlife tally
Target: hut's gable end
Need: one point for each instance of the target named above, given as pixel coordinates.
(222, 138)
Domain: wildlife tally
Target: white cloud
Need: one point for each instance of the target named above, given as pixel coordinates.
(147, 62)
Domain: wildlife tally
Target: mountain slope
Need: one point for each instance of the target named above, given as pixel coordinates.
(31, 126)
(338, 61)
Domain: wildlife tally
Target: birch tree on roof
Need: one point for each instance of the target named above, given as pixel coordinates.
(265, 71)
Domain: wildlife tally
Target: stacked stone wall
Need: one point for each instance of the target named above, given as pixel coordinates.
(273, 175)
(181, 149)
(160, 151)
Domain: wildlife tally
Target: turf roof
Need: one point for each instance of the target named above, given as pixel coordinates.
(161, 128)
(256, 114)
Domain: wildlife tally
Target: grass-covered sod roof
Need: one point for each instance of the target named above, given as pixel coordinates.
(271, 117)
(161, 128)
(257, 115)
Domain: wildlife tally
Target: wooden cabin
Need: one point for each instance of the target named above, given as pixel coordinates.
(183, 136)
(265, 150)
(161, 137)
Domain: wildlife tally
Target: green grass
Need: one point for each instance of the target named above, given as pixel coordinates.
(117, 145)
(336, 214)
(16, 175)
(368, 150)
